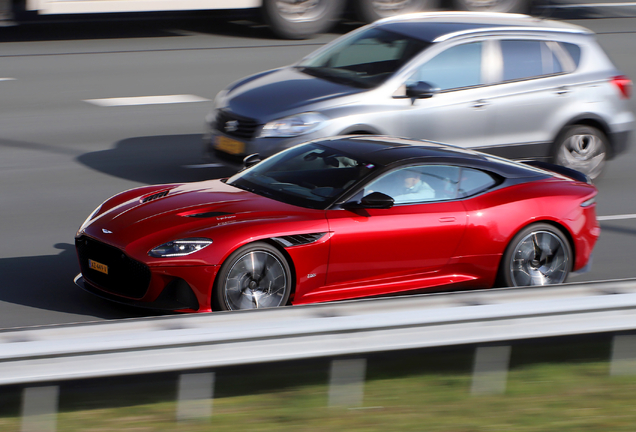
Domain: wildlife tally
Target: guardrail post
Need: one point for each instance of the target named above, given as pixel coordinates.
(490, 370)
(39, 409)
(346, 382)
(623, 355)
(194, 398)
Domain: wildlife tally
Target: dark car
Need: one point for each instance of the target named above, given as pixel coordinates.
(511, 85)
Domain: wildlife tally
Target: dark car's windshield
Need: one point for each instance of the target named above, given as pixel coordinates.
(308, 175)
(364, 60)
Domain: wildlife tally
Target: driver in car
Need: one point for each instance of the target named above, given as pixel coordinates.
(414, 188)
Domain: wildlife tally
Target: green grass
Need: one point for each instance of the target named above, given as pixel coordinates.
(565, 396)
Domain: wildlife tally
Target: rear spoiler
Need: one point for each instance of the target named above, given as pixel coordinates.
(568, 172)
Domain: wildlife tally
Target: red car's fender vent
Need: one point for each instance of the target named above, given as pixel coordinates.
(154, 196)
(298, 239)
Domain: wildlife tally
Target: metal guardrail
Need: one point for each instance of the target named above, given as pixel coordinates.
(182, 343)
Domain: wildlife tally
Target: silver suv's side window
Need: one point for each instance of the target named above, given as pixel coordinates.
(574, 51)
(458, 66)
(527, 59)
(417, 184)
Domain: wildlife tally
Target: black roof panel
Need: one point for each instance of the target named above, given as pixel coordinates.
(384, 150)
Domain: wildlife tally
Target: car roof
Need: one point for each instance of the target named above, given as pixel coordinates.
(385, 150)
(439, 26)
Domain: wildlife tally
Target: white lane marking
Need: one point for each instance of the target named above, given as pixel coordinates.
(208, 165)
(146, 100)
(7, 79)
(616, 217)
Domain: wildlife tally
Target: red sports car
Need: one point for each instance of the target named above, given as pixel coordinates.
(340, 218)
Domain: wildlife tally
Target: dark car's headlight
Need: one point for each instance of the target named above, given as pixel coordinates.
(294, 125)
(181, 247)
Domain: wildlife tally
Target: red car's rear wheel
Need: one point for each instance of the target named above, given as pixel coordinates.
(255, 276)
(537, 255)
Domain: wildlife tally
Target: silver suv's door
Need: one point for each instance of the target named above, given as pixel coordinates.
(458, 112)
(534, 93)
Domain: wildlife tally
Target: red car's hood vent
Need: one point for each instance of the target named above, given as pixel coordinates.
(209, 214)
(154, 196)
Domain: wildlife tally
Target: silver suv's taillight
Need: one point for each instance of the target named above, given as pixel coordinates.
(624, 85)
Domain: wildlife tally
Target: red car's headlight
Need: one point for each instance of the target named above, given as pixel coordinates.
(181, 247)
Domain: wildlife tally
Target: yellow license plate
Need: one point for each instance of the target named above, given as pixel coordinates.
(229, 145)
(103, 268)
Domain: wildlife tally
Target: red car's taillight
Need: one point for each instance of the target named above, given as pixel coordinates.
(624, 85)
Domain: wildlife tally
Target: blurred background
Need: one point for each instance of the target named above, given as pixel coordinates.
(62, 153)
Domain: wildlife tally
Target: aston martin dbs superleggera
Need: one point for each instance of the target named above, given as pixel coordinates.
(340, 218)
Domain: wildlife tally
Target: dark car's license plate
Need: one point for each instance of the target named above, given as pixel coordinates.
(229, 145)
(103, 268)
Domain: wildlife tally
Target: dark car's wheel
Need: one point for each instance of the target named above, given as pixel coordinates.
(371, 10)
(255, 276)
(583, 148)
(300, 19)
(538, 255)
(514, 6)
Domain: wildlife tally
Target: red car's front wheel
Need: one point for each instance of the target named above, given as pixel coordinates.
(255, 276)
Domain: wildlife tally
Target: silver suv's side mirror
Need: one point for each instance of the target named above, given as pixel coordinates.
(421, 90)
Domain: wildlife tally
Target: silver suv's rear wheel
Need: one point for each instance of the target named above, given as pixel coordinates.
(300, 19)
(583, 148)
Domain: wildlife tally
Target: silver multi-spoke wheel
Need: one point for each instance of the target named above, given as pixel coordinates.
(388, 8)
(584, 149)
(371, 10)
(492, 5)
(299, 19)
(256, 277)
(540, 258)
(301, 10)
(539, 254)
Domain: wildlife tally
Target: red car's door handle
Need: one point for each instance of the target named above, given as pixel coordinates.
(447, 219)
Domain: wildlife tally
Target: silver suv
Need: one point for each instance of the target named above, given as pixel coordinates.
(510, 85)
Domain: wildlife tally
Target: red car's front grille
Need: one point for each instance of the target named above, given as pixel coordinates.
(119, 274)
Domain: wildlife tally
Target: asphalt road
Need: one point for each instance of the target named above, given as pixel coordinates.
(61, 156)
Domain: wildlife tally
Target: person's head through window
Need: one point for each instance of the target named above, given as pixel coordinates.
(413, 187)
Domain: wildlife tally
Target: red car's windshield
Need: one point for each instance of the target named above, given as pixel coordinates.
(309, 175)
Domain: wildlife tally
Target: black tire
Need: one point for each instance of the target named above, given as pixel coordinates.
(537, 255)
(583, 148)
(254, 276)
(372, 10)
(290, 19)
(510, 6)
